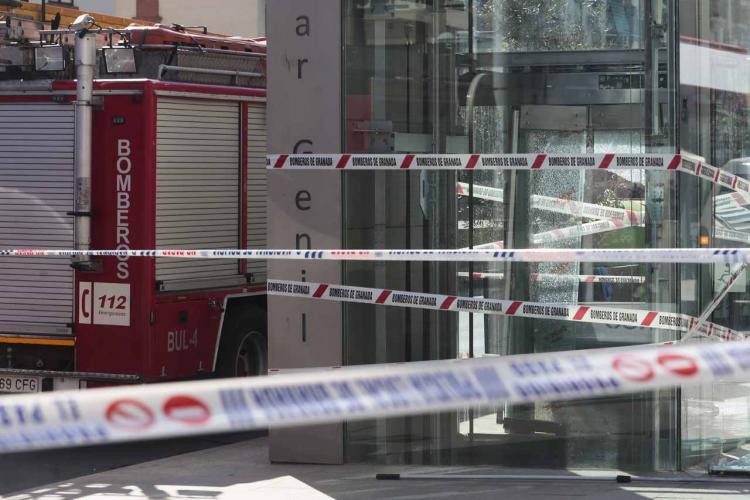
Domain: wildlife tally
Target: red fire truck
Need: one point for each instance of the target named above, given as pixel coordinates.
(148, 137)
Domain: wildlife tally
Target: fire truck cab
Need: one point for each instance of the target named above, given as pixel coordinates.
(177, 145)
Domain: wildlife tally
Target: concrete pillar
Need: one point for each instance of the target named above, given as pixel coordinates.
(148, 10)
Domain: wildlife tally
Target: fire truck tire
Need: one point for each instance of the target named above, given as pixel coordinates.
(244, 346)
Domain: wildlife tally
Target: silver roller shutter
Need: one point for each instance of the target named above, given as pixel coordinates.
(256, 188)
(197, 190)
(36, 192)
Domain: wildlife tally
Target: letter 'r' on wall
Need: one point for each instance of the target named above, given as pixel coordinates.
(304, 208)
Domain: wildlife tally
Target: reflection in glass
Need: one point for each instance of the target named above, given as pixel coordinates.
(556, 76)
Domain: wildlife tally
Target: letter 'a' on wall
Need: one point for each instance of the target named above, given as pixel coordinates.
(304, 208)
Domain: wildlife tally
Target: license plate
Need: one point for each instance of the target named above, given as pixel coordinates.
(20, 383)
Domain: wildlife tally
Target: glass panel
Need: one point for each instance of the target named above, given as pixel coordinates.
(395, 101)
(714, 43)
(504, 76)
(527, 26)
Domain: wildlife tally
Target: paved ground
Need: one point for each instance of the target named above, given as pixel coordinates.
(28, 470)
(241, 471)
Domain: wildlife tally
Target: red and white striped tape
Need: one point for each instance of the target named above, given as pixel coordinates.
(581, 278)
(496, 245)
(735, 199)
(558, 205)
(481, 192)
(586, 210)
(589, 278)
(695, 166)
(732, 235)
(538, 161)
(587, 229)
(477, 276)
(519, 308)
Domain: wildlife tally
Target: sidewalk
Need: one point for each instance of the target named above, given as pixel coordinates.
(242, 471)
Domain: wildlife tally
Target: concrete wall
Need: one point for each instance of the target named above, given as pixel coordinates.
(125, 8)
(304, 110)
(228, 17)
(108, 7)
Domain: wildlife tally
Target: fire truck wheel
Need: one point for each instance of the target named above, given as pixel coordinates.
(244, 351)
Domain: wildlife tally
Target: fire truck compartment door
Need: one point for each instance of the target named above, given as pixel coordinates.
(36, 193)
(257, 187)
(197, 190)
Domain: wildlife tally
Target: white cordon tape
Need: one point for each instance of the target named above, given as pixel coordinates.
(482, 192)
(518, 308)
(478, 276)
(736, 199)
(587, 210)
(97, 416)
(496, 245)
(587, 229)
(732, 235)
(588, 278)
(635, 255)
(556, 278)
(541, 161)
(559, 205)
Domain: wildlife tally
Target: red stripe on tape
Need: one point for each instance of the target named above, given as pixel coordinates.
(513, 308)
(580, 313)
(589, 279)
(343, 161)
(675, 162)
(320, 291)
(383, 296)
(633, 217)
(473, 161)
(650, 317)
(606, 161)
(539, 161)
(408, 159)
(280, 161)
(447, 302)
(716, 175)
(734, 182)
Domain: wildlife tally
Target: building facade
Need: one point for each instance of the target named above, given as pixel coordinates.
(229, 17)
(547, 76)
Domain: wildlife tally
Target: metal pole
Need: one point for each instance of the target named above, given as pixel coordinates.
(619, 478)
(470, 98)
(85, 59)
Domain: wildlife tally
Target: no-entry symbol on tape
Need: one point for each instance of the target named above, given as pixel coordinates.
(637, 369)
(679, 364)
(187, 409)
(633, 368)
(130, 415)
